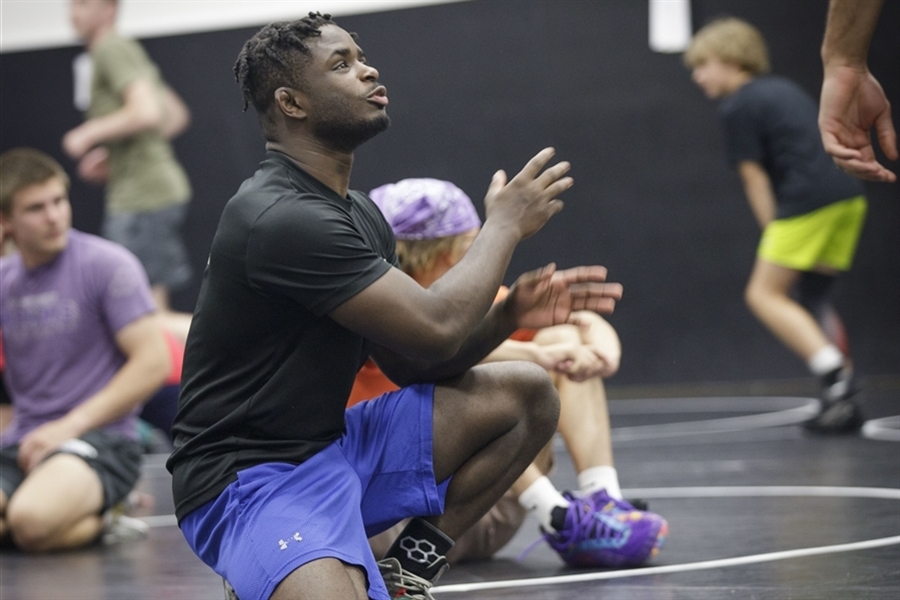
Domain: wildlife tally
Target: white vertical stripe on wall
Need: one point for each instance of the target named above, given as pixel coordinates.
(670, 25)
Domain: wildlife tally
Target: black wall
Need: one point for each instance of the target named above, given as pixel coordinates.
(482, 85)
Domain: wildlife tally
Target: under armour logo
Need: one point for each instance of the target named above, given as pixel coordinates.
(420, 551)
(283, 544)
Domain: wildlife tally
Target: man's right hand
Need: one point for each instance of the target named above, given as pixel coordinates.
(852, 105)
(94, 166)
(528, 200)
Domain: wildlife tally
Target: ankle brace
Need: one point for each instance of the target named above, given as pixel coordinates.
(420, 548)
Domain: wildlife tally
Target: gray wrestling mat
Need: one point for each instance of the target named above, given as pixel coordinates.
(757, 508)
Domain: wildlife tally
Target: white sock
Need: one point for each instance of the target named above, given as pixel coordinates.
(540, 498)
(595, 478)
(826, 360)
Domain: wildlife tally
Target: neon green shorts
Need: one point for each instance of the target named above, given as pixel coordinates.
(826, 236)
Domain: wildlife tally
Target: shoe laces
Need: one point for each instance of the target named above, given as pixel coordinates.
(404, 584)
(585, 519)
(603, 502)
(589, 521)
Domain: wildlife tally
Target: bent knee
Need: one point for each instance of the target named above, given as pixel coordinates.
(532, 391)
(31, 530)
(558, 334)
(755, 295)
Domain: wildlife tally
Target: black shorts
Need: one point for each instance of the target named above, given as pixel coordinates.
(4, 393)
(116, 459)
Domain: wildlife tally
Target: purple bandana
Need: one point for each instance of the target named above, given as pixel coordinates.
(423, 209)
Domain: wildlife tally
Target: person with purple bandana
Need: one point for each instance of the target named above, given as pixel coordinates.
(84, 348)
(435, 222)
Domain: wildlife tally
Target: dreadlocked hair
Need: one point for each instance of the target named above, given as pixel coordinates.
(270, 59)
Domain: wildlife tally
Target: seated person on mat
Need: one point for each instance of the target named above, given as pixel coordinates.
(83, 349)
(434, 223)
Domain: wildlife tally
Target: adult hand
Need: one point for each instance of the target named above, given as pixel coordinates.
(94, 166)
(43, 440)
(599, 336)
(528, 201)
(586, 365)
(76, 142)
(554, 357)
(852, 103)
(546, 297)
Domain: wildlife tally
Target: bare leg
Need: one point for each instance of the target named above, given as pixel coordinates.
(584, 416)
(6, 414)
(324, 578)
(57, 506)
(488, 426)
(767, 295)
(584, 423)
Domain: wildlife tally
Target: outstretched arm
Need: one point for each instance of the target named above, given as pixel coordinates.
(853, 101)
(432, 323)
(538, 299)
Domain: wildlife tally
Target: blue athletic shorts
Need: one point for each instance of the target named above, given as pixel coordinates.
(277, 517)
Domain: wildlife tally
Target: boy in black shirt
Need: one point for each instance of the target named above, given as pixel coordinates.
(811, 213)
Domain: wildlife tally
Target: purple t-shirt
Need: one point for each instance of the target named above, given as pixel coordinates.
(59, 323)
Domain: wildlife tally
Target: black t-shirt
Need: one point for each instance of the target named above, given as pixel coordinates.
(266, 372)
(772, 121)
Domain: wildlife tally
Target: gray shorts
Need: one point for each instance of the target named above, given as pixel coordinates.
(155, 238)
(116, 459)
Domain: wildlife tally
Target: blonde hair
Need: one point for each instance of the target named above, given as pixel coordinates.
(732, 41)
(420, 256)
(23, 167)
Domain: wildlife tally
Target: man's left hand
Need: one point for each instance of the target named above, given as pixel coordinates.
(546, 297)
(43, 440)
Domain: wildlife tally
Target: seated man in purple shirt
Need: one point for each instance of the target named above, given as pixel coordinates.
(84, 348)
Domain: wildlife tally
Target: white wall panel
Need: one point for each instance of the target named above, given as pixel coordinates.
(34, 24)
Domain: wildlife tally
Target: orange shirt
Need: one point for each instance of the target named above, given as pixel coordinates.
(176, 354)
(371, 382)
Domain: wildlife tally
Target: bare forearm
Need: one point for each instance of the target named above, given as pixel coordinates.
(176, 117)
(492, 331)
(462, 296)
(848, 31)
(761, 204)
(116, 126)
(600, 335)
(141, 111)
(513, 350)
(758, 189)
(134, 383)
